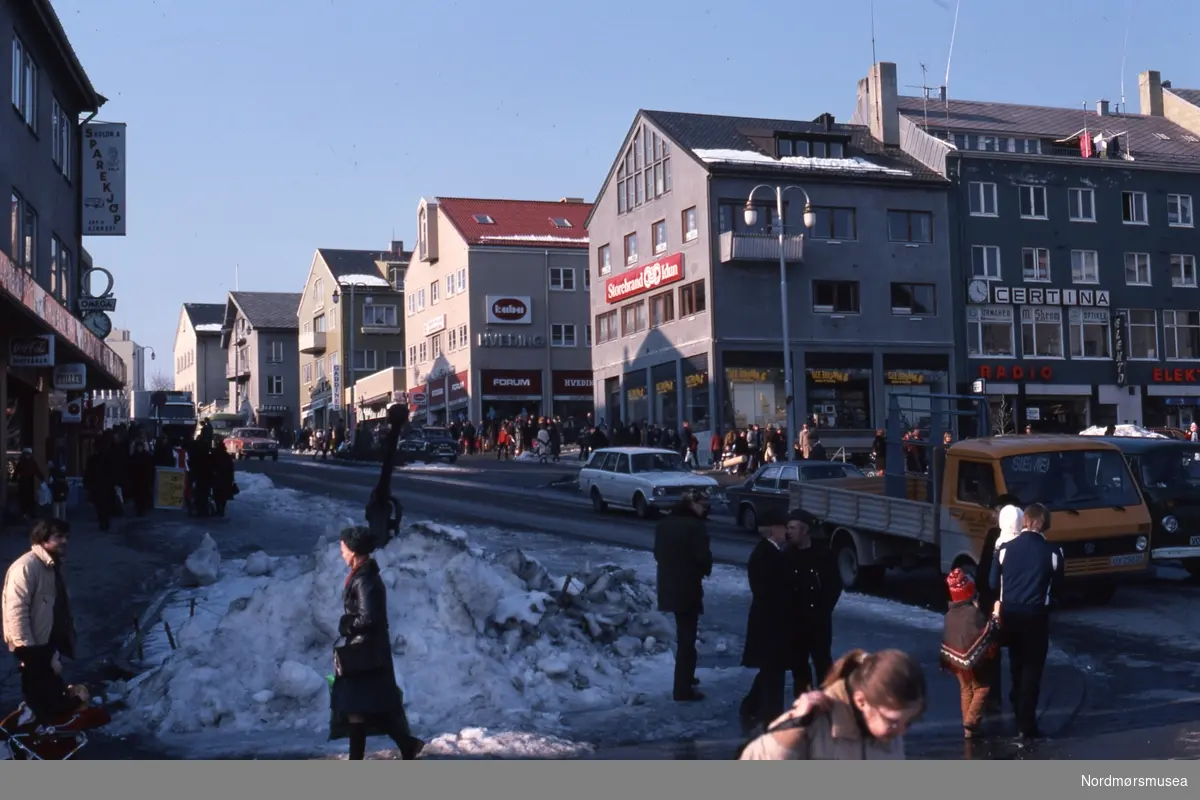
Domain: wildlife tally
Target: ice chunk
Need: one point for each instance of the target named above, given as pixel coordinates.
(628, 646)
(203, 566)
(258, 563)
(265, 696)
(298, 681)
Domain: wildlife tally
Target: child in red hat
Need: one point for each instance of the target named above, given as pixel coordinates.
(968, 645)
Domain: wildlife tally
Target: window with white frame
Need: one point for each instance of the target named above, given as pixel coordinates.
(308, 373)
(450, 285)
(1035, 264)
(412, 304)
(983, 199)
(985, 262)
(1137, 269)
(990, 332)
(460, 281)
(562, 279)
(435, 293)
(1033, 202)
(1183, 270)
(1041, 332)
(318, 293)
(275, 385)
(1133, 208)
(435, 345)
(365, 361)
(412, 354)
(462, 335)
(1090, 332)
(422, 352)
(382, 316)
(1179, 210)
(587, 279)
(562, 335)
(25, 84)
(421, 299)
(1085, 266)
(604, 260)
(658, 232)
(1143, 334)
(276, 352)
(1081, 205)
(1181, 335)
(60, 139)
(691, 224)
(451, 340)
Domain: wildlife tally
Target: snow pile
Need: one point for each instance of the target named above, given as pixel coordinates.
(1135, 431)
(489, 641)
(854, 164)
(203, 566)
(481, 743)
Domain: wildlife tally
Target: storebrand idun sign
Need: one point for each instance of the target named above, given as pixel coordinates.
(644, 279)
(509, 310)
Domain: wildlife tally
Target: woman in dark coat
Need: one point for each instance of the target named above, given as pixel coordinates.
(223, 477)
(768, 627)
(365, 699)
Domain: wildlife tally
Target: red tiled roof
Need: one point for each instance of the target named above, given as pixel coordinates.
(517, 223)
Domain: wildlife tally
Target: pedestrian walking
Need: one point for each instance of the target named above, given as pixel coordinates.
(60, 491)
(814, 587)
(864, 708)
(969, 648)
(38, 627)
(28, 477)
(365, 699)
(768, 629)
(1026, 571)
(1006, 524)
(684, 559)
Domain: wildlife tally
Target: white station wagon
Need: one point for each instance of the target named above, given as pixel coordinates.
(646, 479)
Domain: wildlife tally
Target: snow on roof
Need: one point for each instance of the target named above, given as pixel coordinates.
(855, 164)
(369, 280)
(533, 238)
(209, 327)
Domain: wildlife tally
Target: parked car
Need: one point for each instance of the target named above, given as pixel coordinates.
(243, 443)
(646, 479)
(763, 499)
(429, 444)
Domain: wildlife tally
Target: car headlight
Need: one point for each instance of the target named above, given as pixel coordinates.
(659, 491)
(1142, 542)
(1170, 524)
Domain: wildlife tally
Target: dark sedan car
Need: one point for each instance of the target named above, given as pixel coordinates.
(429, 444)
(763, 499)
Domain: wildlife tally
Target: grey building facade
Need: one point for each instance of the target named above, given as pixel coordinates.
(260, 337)
(199, 357)
(1077, 240)
(498, 321)
(686, 292)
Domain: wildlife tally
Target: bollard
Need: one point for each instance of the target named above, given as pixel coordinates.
(137, 634)
(191, 608)
(170, 637)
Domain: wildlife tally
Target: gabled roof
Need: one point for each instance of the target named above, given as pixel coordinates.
(517, 223)
(266, 310)
(1144, 135)
(357, 263)
(1188, 95)
(205, 317)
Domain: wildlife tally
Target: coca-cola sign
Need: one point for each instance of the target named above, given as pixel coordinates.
(646, 278)
(31, 351)
(509, 310)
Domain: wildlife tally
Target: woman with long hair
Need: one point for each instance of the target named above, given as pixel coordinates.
(365, 699)
(861, 713)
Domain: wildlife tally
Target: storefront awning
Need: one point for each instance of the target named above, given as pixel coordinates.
(43, 314)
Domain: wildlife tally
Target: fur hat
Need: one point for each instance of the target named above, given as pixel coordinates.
(961, 586)
(1010, 524)
(359, 540)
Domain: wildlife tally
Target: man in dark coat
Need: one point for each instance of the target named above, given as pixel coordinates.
(814, 587)
(988, 596)
(684, 558)
(768, 628)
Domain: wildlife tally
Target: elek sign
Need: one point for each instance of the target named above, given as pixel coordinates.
(644, 279)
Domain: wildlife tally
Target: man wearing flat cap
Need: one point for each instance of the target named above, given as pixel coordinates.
(815, 588)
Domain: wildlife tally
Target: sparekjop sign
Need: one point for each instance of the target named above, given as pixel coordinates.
(103, 172)
(644, 279)
(509, 309)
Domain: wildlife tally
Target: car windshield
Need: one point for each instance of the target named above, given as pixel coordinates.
(1071, 479)
(431, 433)
(222, 424)
(825, 472)
(1170, 467)
(251, 433)
(656, 462)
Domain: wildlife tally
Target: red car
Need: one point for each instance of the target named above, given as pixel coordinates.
(243, 443)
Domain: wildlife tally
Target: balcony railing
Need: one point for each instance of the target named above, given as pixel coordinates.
(381, 330)
(240, 370)
(760, 247)
(312, 342)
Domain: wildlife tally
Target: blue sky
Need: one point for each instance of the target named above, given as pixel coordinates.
(260, 130)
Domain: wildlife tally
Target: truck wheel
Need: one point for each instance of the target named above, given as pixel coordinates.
(598, 504)
(854, 576)
(1100, 594)
(748, 519)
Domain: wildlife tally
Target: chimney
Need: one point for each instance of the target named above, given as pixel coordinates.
(1150, 86)
(883, 107)
(571, 200)
(397, 248)
(1102, 108)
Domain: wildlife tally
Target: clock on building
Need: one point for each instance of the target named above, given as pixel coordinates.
(977, 291)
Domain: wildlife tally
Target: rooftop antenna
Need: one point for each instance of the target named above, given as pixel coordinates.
(950, 55)
(237, 282)
(925, 88)
(1125, 52)
(874, 60)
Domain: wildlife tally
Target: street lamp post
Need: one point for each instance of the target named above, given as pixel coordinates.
(810, 219)
(349, 367)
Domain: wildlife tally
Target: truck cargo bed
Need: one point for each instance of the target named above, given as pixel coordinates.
(866, 511)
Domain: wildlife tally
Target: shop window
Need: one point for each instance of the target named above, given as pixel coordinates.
(696, 408)
(835, 297)
(612, 395)
(1143, 334)
(839, 398)
(976, 483)
(1090, 333)
(662, 309)
(691, 299)
(1181, 335)
(990, 332)
(666, 395)
(1041, 332)
(755, 396)
(913, 388)
(637, 403)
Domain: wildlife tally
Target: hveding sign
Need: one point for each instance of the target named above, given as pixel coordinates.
(644, 279)
(508, 310)
(510, 340)
(103, 171)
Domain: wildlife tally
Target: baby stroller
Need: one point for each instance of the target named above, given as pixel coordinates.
(27, 739)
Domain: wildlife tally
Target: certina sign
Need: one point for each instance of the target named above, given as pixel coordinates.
(644, 279)
(508, 310)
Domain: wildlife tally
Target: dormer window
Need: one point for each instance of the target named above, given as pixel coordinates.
(484, 219)
(809, 148)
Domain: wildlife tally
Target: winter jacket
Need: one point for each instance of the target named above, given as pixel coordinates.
(30, 594)
(814, 587)
(768, 627)
(835, 735)
(1025, 572)
(968, 641)
(983, 572)
(364, 622)
(681, 550)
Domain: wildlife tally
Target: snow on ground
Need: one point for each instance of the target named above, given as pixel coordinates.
(307, 460)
